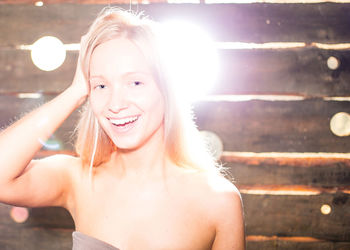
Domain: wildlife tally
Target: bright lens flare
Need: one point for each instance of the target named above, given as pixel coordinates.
(48, 53)
(191, 58)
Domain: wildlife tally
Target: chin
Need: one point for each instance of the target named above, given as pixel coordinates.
(127, 144)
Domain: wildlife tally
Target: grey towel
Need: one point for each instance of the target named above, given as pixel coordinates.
(85, 242)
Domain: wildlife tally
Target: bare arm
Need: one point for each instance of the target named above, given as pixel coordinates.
(20, 142)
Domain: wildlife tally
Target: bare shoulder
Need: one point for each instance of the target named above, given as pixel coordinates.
(224, 205)
(222, 193)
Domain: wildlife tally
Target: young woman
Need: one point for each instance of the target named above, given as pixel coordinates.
(142, 178)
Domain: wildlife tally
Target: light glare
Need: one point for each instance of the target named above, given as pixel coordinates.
(48, 53)
(191, 59)
(19, 214)
(326, 209)
(39, 3)
(340, 124)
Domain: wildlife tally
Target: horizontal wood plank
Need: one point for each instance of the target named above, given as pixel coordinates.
(301, 72)
(291, 190)
(18, 74)
(316, 172)
(265, 126)
(14, 238)
(47, 217)
(292, 243)
(298, 216)
(275, 243)
(324, 22)
(287, 71)
(252, 126)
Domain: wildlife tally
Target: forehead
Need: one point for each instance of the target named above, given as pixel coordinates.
(117, 56)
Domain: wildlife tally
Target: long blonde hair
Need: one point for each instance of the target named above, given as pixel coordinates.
(183, 142)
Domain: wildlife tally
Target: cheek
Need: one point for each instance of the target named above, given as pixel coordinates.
(97, 104)
(157, 106)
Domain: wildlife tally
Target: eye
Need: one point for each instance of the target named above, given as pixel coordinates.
(136, 83)
(100, 86)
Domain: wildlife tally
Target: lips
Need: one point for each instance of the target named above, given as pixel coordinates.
(123, 124)
(123, 121)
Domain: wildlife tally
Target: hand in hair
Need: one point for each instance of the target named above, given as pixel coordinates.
(80, 83)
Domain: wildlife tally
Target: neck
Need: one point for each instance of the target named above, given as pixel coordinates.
(145, 162)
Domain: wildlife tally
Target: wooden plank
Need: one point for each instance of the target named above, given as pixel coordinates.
(275, 243)
(252, 126)
(316, 172)
(279, 126)
(263, 126)
(14, 238)
(290, 190)
(325, 22)
(285, 215)
(292, 243)
(19, 74)
(47, 217)
(301, 72)
(289, 71)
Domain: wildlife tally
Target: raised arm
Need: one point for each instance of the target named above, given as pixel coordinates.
(28, 182)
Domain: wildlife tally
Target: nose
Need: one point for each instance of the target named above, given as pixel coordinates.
(117, 101)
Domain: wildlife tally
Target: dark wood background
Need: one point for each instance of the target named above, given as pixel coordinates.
(282, 192)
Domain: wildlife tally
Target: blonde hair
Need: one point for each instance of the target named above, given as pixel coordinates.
(183, 142)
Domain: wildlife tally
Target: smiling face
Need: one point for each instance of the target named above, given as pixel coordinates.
(124, 95)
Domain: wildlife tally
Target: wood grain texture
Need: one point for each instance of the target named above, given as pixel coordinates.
(18, 74)
(48, 217)
(298, 216)
(284, 72)
(279, 126)
(326, 173)
(325, 22)
(277, 243)
(15, 238)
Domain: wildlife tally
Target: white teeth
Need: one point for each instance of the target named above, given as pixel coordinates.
(123, 121)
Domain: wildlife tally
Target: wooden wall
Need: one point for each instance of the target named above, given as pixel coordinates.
(274, 107)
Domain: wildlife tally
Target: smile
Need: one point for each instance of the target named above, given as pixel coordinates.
(124, 121)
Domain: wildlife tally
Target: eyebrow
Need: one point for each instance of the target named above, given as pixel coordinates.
(125, 74)
(98, 76)
(137, 72)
